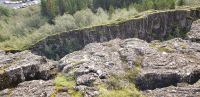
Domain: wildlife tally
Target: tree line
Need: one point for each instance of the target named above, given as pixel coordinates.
(52, 8)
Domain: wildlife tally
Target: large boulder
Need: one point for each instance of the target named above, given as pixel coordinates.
(24, 66)
(194, 33)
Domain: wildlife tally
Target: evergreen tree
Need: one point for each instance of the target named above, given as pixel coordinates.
(180, 2)
(51, 8)
(44, 7)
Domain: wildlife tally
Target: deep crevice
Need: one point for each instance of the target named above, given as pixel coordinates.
(8, 82)
(153, 81)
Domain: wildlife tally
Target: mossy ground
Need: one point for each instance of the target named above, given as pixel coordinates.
(62, 81)
(130, 91)
(121, 85)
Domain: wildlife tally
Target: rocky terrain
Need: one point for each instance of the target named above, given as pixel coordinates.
(151, 25)
(24, 66)
(120, 67)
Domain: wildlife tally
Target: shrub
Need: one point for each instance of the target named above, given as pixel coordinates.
(123, 13)
(189, 2)
(84, 17)
(155, 4)
(4, 11)
(180, 2)
(101, 17)
(65, 23)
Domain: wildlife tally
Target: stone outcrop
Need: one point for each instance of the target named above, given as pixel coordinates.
(97, 62)
(35, 88)
(174, 62)
(168, 68)
(24, 66)
(148, 26)
(162, 63)
(194, 33)
(163, 68)
(181, 90)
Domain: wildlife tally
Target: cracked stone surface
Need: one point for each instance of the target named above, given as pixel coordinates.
(167, 68)
(181, 90)
(175, 61)
(162, 63)
(24, 66)
(34, 88)
(163, 67)
(98, 61)
(194, 33)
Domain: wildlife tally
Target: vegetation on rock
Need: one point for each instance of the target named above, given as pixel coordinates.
(19, 29)
(61, 81)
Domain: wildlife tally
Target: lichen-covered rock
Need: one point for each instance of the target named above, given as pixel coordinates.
(162, 63)
(23, 66)
(194, 33)
(34, 88)
(175, 61)
(99, 61)
(181, 90)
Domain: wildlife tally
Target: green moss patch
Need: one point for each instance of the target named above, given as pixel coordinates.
(62, 81)
(121, 85)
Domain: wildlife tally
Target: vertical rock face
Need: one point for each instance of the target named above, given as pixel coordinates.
(157, 25)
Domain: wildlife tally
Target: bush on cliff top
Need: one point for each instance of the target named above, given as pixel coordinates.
(4, 11)
(52, 8)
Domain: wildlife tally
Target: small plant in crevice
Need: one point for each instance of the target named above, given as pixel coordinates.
(122, 85)
(62, 81)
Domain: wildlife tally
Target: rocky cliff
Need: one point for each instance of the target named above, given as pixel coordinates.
(159, 25)
(117, 68)
(129, 68)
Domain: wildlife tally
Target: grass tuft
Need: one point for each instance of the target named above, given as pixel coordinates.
(62, 81)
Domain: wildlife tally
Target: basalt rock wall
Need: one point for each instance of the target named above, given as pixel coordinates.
(153, 26)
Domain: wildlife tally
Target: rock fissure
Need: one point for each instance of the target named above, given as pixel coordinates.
(24, 66)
